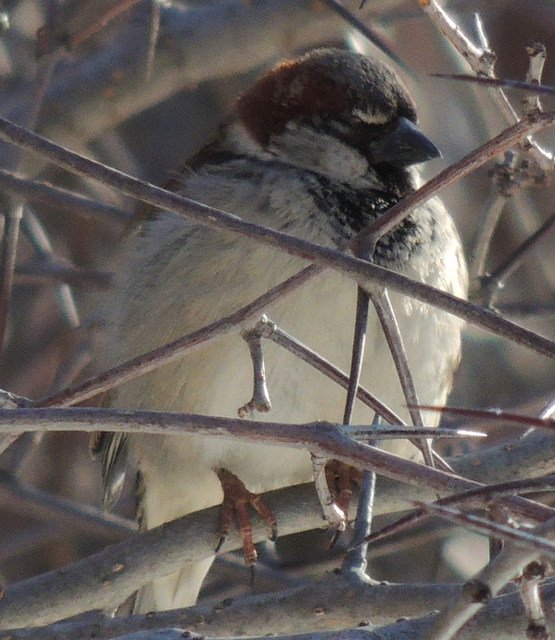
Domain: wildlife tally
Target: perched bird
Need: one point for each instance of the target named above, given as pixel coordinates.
(319, 147)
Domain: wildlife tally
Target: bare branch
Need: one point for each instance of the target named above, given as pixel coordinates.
(482, 62)
(324, 256)
(528, 585)
(45, 193)
(488, 527)
(332, 603)
(271, 28)
(24, 499)
(277, 335)
(477, 592)
(69, 590)
(322, 439)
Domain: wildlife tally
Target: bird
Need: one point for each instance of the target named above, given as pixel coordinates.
(319, 147)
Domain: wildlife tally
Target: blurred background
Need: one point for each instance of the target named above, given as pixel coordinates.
(110, 94)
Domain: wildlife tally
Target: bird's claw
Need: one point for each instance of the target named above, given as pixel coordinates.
(236, 499)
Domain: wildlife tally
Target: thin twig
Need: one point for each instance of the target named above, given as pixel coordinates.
(393, 432)
(355, 562)
(478, 591)
(39, 239)
(51, 272)
(357, 355)
(29, 501)
(282, 338)
(323, 256)
(59, 198)
(95, 20)
(486, 222)
(497, 415)
(7, 264)
(537, 53)
(390, 328)
(489, 527)
(482, 62)
(260, 400)
(529, 87)
(43, 74)
(323, 439)
(153, 34)
(497, 278)
(472, 499)
(367, 32)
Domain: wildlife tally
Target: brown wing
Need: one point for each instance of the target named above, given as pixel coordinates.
(112, 450)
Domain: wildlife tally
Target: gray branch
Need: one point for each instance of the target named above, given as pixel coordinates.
(106, 578)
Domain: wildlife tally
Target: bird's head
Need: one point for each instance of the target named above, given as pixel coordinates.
(333, 112)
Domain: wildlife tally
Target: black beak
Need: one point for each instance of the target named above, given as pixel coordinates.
(402, 146)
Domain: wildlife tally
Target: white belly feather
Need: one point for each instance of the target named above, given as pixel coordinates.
(216, 379)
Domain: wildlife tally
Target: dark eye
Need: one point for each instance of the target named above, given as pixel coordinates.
(355, 132)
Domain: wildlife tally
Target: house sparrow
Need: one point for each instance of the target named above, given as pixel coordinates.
(318, 147)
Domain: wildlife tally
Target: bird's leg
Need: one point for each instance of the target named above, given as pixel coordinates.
(340, 478)
(334, 516)
(339, 475)
(236, 499)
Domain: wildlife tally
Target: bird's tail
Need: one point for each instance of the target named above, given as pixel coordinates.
(179, 589)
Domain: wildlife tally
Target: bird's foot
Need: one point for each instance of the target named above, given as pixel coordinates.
(236, 499)
(340, 478)
(335, 517)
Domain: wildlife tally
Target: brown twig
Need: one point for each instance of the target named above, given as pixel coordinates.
(473, 498)
(88, 18)
(489, 527)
